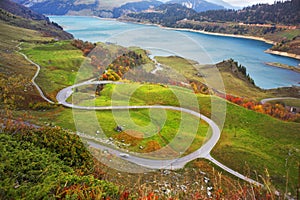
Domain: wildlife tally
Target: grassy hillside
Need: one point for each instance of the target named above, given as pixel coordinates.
(20, 16)
(228, 70)
(231, 77)
(59, 63)
(13, 65)
(246, 135)
(255, 142)
(17, 25)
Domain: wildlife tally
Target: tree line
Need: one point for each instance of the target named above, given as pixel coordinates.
(278, 13)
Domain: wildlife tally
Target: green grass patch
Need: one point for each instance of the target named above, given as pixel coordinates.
(290, 34)
(287, 102)
(172, 128)
(258, 142)
(135, 94)
(60, 63)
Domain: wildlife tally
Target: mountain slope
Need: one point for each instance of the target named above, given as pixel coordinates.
(279, 13)
(223, 3)
(198, 5)
(165, 14)
(108, 8)
(103, 8)
(21, 11)
(17, 15)
(135, 7)
(54, 7)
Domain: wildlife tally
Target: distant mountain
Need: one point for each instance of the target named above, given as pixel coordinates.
(198, 5)
(135, 7)
(165, 14)
(110, 9)
(57, 7)
(224, 4)
(100, 8)
(20, 16)
(21, 11)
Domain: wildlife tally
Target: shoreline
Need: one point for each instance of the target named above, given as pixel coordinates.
(203, 32)
(285, 54)
(283, 66)
(280, 53)
(222, 34)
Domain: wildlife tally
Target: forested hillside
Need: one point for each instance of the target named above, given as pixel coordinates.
(198, 5)
(135, 7)
(111, 9)
(166, 14)
(279, 13)
(286, 13)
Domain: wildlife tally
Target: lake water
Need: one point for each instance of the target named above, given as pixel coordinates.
(203, 48)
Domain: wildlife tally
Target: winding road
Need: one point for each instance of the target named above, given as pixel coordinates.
(202, 152)
(35, 75)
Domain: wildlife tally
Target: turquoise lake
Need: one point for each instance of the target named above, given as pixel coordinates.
(204, 48)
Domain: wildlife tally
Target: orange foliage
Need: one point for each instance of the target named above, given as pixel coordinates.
(152, 146)
(277, 110)
(150, 196)
(85, 47)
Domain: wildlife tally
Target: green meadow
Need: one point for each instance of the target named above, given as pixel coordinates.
(59, 62)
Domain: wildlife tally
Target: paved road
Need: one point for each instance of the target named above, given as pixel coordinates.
(158, 66)
(263, 101)
(35, 75)
(202, 152)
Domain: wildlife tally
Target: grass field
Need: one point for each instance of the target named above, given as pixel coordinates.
(287, 102)
(290, 34)
(257, 142)
(59, 62)
(144, 130)
(135, 94)
(250, 142)
(62, 64)
(162, 127)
